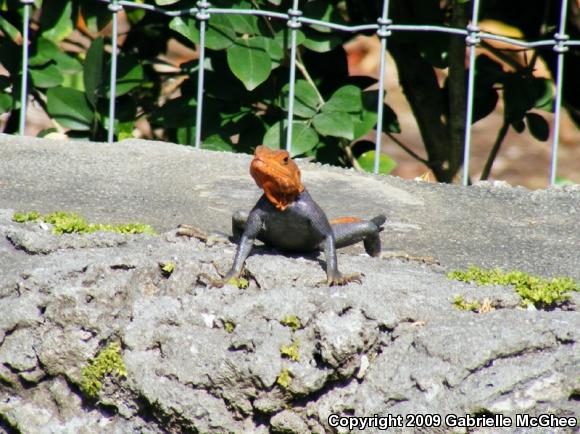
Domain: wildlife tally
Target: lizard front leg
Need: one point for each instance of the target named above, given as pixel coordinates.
(333, 276)
(251, 230)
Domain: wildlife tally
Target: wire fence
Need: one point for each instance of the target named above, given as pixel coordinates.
(384, 27)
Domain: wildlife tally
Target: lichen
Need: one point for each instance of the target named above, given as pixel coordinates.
(240, 282)
(107, 362)
(284, 378)
(229, 326)
(67, 223)
(460, 303)
(167, 268)
(539, 291)
(291, 351)
(28, 217)
(291, 321)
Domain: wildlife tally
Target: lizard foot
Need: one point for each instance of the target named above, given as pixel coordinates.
(235, 280)
(343, 279)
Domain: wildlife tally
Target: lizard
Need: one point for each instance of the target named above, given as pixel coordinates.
(286, 217)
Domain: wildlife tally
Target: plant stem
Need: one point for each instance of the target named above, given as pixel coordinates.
(408, 150)
(308, 78)
(352, 158)
(498, 141)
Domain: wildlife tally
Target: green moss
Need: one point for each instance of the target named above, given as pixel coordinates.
(284, 378)
(461, 303)
(229, 326)
(31, 216)
(107, 362)
(67, 223)
(291, 351)
(167, 267)
(291, 321)
(535, 290)
(240, 282)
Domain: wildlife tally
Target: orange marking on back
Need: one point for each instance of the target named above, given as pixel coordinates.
(343, 220)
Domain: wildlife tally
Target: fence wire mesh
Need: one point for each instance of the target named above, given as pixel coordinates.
(384, 27)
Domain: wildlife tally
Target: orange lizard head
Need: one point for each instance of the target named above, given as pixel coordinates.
(277, 174)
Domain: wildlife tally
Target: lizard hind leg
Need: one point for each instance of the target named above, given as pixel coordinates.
(372, 242)
(351, 230)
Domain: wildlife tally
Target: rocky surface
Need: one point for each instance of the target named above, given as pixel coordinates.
(210, 360)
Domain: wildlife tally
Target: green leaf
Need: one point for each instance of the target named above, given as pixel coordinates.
(219, 34)
(70, 108)
(284, 38)
(322, 10)
(305, 99)
(249, 61)
(336, 124)
(218, 143)
(321, 42)
(166, 2)
(538, 126)
(367, 120)
(364, 124)
(47, 51)
(93, 71)
(304, 138)
(186, 135)
(185, 26)
(44, 52)
(563, 181)
(347, 99)
(275, 50)
(8, 29)
(544, 92)
(5, 102)
(56, 19)
(244, 24)
(46, 77)
(367, 163)
(130, 75)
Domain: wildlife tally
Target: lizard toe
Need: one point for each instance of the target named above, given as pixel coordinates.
(343, 279)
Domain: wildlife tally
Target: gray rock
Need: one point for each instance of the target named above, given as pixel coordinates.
(202, 359)
(288, 422)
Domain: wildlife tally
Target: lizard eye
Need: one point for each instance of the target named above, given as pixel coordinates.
(285, 160)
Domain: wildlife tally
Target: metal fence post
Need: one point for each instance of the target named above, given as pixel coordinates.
(472, 39)
(382, 32)
(202, 16)
(560, 48)
(114, 7)
(293, 24)
(24, 81)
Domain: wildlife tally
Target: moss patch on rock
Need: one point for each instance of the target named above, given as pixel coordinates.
(541, 292)
(108, 362)
(68, 223)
